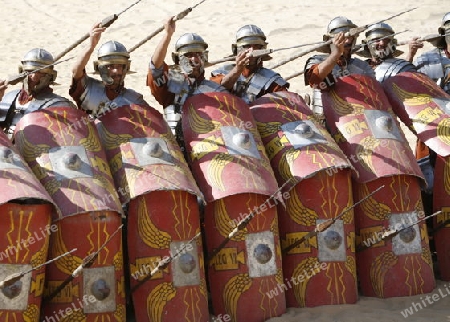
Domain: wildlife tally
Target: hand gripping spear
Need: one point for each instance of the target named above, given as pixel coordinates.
(108, 21)
(325, 225)
(162, 264)
(351, 33)
(8, 281)
(243, 223)
(86, 263)
(179, 16)
(391, 233)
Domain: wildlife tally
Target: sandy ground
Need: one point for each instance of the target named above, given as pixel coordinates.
(55, 25)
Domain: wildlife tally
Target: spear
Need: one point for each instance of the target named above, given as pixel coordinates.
(294, 75)
(8, 281)
(358, 48)
(179, 16)
(243, 223)
(324, 45)
(258, 53)
(429, 38)
(162, 264)
(108, 21)
(325, 225)
(86, 263)
(13, 80)
(393, 232)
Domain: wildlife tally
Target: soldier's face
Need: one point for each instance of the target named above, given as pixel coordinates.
(193, 63)
(381, 47)
(115, 71)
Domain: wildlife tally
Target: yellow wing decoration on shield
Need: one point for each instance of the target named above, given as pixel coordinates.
(342, 107)
(267, 129)
(66, 264)
(30, 152)
(300, 287)
(215, 169)
(411, 99)
(378, 270)
(157, 299)
(299, 213)
(150, 234)
(199, 124)
(235, 287)
(224, 222)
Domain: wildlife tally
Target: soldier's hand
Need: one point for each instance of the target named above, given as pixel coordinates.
(337, 44)
(243, 59)
(169, 25)
(414, 44)
(3, 87)
(95, 34)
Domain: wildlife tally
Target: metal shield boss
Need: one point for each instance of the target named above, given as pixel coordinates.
(157, 187)
(229, 162)
(62, 147)
(299, 147)
(366, 129)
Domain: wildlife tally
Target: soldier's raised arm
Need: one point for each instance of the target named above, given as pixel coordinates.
(94, 38)
(337, 50)
(161, 49)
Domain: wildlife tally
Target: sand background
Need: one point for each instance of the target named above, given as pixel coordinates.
(56, 25)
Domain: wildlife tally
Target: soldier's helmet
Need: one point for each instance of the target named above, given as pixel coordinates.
(189, 43)
(445, 25)
(112, 52)
(337, 25)
(378, 31)
(249, 35)
(38, 58)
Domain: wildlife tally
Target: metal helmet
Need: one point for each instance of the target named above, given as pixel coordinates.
(249, 35)
(38, 58)
(188, 43)
(445, 25)
(377, 31)
(337, 25)
(111, 52)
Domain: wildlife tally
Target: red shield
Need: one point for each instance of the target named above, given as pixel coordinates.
(229, 162)
(441, 201)
(62, 147)
(298, 146)
(361, 121)
(400, 265)
(26, 210)
(142, 153)
(423, 106)
(226, 152)
(163, 214)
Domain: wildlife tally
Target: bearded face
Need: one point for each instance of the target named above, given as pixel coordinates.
(381, 48)
(193, 63)
(35, 82)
